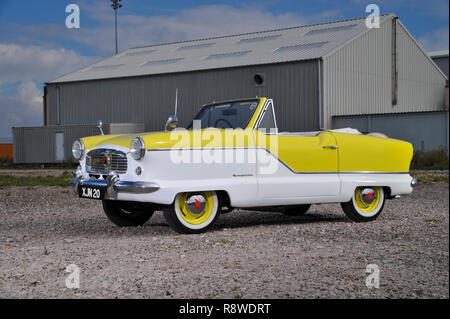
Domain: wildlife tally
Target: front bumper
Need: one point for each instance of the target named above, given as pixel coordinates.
(114, 186)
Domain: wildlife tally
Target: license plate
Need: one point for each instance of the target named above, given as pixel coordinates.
(91, 192)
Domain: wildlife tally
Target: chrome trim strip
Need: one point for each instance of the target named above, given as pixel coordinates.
(201, 148)
(372, 172)
(135, 187)
(263, 112)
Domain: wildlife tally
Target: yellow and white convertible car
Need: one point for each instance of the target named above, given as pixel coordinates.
(232, 156)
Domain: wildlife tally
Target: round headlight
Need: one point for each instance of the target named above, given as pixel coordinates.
(78, 149)
(137, 148)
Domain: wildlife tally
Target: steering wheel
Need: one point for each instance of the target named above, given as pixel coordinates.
(228, 123)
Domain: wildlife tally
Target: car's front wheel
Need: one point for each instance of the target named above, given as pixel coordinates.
(193, 212)
(366, 204)
(126, 214)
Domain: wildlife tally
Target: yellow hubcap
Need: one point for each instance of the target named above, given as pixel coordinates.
(196, 208)
(362, 196)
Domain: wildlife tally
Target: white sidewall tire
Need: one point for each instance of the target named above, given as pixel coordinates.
(375, 211)
(206, 222)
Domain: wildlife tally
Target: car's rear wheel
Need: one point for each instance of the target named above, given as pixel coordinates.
(366, 204)
(193, 212)
(125, 214)
(297, 210)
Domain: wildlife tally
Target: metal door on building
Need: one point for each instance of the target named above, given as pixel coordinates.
(60, 146)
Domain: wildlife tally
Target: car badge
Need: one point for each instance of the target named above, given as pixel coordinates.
(107, 161)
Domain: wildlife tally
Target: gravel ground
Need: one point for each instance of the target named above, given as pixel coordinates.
(247, 254)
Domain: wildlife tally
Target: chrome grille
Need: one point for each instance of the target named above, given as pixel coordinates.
(105, 161)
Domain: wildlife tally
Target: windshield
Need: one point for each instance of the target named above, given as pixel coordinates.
(226, 115)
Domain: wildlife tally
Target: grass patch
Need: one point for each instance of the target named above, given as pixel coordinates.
(8, 164)
(62, 180)
(425, 178)
(226, 242)
(430, 160)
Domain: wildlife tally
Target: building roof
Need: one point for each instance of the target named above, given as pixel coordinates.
(438, 54)
(266, 47)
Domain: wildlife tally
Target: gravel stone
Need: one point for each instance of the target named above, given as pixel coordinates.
(246, 255)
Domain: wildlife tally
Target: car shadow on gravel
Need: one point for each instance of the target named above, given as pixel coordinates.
(97, 226)
(244, 219)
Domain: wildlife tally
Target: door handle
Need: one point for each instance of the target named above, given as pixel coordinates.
(332, 147)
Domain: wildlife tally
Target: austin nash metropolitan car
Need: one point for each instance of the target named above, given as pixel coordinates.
(232, 156)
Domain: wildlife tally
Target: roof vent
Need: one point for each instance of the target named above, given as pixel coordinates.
(105, 67)
(195, 46)
(226, 55)
(158, 62)
(258, 39)
(298, 47)
(137, 53)
(332, 29)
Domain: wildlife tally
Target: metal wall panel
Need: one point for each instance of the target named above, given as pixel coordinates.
(38, 144)
(357, 77)
(51, 104)
(425, 130)
(124, 128)
(150, 99)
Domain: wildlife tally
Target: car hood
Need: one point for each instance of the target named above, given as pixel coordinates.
(178, 138)
(124, 140)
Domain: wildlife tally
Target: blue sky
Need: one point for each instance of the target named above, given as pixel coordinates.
(35, 45)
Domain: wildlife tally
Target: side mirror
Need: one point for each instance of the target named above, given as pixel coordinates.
(171, 123)
(99, 125)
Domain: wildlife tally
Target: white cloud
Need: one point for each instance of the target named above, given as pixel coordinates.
(31, 62)
(31, 97)
(191, 23)
(23, 109)
(201, 22)
(436, 40)
(28, 65)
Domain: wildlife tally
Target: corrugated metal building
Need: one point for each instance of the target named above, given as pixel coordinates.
(6, 148)
(53, 143)
(320, 76)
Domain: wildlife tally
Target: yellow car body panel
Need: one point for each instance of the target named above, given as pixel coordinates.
(362, 153)
(353, 152)
(302, 153)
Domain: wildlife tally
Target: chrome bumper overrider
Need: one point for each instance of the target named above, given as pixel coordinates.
(114, 186)
(135, 187)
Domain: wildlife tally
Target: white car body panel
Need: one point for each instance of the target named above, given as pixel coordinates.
(246, 183)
